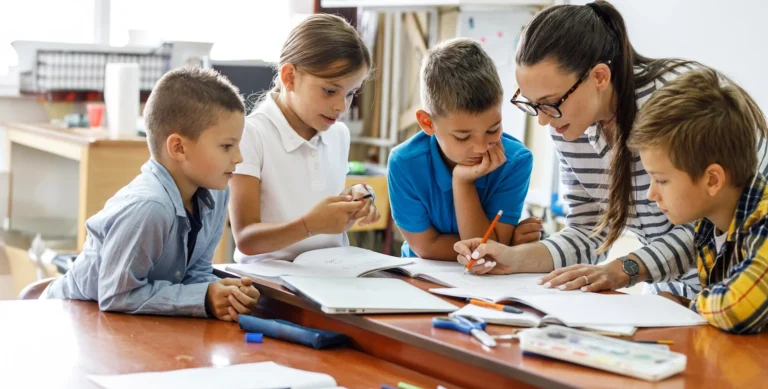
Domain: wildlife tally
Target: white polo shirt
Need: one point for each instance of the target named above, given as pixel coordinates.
(295, 173)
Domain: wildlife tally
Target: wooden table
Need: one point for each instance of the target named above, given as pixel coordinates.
(715, 359)
(55, 344)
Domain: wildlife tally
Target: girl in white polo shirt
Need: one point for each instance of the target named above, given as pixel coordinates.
(288, 195)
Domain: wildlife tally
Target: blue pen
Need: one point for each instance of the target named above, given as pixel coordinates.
(385, 386)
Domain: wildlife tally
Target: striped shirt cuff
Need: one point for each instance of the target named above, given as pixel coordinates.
(652, 259)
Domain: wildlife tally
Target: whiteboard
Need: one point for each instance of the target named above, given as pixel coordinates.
(498, 32)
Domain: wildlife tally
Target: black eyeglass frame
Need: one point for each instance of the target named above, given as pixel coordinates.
(533, 109)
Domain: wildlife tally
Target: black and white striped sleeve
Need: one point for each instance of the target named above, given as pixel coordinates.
(576, 243)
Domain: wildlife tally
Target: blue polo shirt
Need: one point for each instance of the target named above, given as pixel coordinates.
(421, 188)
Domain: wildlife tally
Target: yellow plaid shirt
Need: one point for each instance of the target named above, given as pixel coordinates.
(734, 295)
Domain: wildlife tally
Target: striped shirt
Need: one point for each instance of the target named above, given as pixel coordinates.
(667, 250)
(735, 293)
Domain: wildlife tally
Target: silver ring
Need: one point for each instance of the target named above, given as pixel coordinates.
(586, 280)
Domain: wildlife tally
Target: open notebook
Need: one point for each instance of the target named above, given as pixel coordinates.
(359, 262)
(529, 319)
(578, 309)
(492, 288)
(451, 275)
(262, 375)
(331, 262)
(427, 268)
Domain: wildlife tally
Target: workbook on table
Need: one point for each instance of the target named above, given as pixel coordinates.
(579, 309)
(511, 284)
(331, 262)
(262, 375)
(530, 319)
(452, 275)
(359, 262)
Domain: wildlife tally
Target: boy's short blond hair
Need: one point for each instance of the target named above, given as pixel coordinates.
(186, 101)
(458, 75)
(703, 118)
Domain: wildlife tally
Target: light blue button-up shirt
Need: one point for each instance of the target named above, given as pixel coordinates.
(135, 256)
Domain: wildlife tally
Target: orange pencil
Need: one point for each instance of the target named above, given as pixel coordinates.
(498, 307)
(485, 238)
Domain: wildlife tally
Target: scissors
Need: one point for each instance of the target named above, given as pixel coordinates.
(467, 324)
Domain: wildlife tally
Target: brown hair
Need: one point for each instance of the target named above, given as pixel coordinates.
(186, 101)
(578, 37)
(318, 42)
(702, 118)
(458, 75)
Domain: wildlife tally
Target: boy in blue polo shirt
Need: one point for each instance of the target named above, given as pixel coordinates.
(448, 182)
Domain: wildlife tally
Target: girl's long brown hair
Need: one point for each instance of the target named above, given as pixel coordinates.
(323, 45)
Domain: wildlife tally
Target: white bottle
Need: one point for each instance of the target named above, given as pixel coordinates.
(121, 98)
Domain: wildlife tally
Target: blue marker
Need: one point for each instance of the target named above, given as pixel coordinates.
(254, 337)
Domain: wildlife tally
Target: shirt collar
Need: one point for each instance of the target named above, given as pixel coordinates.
(596, 138)
(288, 136)
(164, 176)
(748, 203)
(443, 176)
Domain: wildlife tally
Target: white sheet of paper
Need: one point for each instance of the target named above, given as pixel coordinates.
(271, 269)
(421, 266)
(459, 279)
(612, 329)
(494, 288)
(528, 319)
(262, 375)
(331, 262)
(350, 258)
(593, 309)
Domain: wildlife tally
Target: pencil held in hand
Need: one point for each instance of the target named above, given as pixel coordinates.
(485, 239)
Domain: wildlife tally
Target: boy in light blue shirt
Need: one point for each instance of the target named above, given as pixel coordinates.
(448, 182)
(149, 250)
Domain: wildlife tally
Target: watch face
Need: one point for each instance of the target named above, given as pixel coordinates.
(631, 267)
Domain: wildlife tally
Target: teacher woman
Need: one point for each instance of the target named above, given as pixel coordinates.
(579, 75)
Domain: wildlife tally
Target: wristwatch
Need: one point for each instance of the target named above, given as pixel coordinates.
(632, 268)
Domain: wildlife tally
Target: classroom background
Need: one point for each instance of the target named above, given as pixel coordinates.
(52, 70)
(66, 144)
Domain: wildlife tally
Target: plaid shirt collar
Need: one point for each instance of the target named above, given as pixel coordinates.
(747, 205)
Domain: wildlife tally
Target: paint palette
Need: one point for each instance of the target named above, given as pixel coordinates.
(647, 362)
